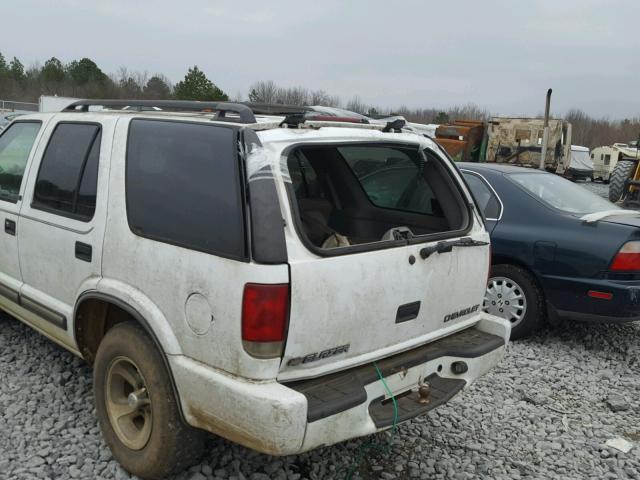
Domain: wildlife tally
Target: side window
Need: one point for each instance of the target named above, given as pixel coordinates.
(68, 174)
(487, 201)
(607, 159)
(183, 186)
(391, 178)
(15, 145)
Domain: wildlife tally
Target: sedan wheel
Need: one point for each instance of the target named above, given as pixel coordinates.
(513, 294)
(505, 298)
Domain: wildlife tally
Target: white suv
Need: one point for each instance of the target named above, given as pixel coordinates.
(252, 276)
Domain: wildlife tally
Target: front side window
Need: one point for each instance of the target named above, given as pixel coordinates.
(16, 143)
(487, 201)
(68, 175)
(391, 178)
(183, 186)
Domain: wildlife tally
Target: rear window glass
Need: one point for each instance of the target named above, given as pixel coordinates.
(183, 186)
(391, 178)
(15, 145)
(561, 193)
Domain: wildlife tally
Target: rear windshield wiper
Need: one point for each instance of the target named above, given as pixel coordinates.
(447, 245)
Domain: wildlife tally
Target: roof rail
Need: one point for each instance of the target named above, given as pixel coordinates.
(275, 108)
(220, 108)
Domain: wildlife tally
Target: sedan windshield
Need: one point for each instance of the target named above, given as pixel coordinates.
(561, 193)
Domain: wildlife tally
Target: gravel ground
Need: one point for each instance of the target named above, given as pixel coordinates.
(545, 412)
(598, 188)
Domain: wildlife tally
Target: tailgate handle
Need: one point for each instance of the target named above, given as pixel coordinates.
(407, 312)
(447, 246)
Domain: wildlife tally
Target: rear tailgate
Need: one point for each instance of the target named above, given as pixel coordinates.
(355, 308)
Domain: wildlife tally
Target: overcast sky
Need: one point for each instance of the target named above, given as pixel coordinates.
(500, 55)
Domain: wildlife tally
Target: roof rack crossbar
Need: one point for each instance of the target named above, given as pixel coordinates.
(220, 108)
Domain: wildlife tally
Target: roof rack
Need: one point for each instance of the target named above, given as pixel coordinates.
(220, 108)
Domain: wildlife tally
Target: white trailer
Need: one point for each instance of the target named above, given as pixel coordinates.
(605, 159)
(49, 103)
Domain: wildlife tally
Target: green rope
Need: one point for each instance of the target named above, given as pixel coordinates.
(380, 447)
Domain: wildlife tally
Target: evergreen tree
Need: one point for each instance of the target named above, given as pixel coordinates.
(84, 71)
(16, 70)
(157, 88)
(53, 71)
(4, 68)
(196, 86)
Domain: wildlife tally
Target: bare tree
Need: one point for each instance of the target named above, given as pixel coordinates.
(263, 92)
(357, 105)
(293, 96)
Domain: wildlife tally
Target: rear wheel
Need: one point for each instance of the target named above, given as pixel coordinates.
(137, 409)
(621, 173)
(513, 294)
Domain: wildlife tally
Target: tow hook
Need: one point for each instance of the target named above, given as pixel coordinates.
(459, 367)
(424, 394)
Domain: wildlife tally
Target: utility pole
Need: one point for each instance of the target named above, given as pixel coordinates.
(545, 132)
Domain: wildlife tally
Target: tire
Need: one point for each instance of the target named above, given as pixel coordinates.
(513, 293)
(151, 440)
(621, 172)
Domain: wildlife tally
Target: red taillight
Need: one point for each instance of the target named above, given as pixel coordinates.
(265, 310)
(627, 259)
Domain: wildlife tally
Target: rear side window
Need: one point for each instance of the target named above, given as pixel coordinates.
(487, 201)
(391, 178)
(183, 186)
(15, 145)
(68, 176)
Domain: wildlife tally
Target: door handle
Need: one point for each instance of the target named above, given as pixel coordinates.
(83, 251)
(9, 226)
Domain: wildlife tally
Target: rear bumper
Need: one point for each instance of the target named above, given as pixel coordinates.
(570, 298)
(287, 419)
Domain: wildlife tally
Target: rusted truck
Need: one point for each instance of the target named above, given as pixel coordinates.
(508, 140)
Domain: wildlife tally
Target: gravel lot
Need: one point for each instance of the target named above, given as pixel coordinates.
(545, 412)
